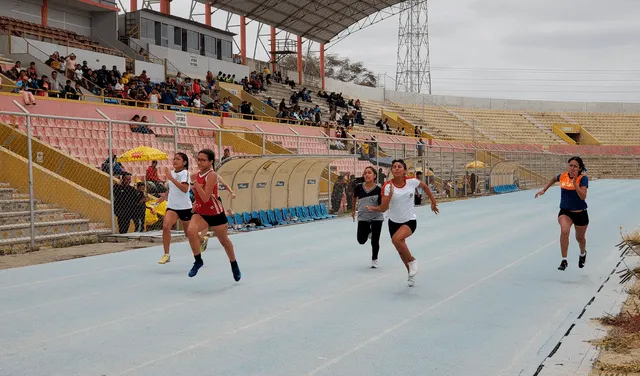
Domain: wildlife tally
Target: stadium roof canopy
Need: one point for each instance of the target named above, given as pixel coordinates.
(317, 20)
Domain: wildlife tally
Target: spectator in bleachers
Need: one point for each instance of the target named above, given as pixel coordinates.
(153, 180)
(116, 72)
(420, 147)
(154, 98)
(55, 88)
(226, 155)
(22, 87)
(44, 85)
(118, 170)
(54, 61)
(69, 92)
(32, 69)
(70, 65)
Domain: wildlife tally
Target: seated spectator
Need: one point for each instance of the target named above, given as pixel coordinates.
(32, 69)
(22, 87)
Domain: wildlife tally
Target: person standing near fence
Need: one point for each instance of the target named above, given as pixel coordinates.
(208, 212)
(178, 201)
(398, 198)
(368, 193)
(573, 208)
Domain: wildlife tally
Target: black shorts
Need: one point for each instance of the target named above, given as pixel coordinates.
(215, 220)
(579, 218)
(184, 214)
(394, 227)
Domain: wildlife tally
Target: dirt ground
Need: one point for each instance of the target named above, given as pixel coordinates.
(49, 254)
(620, 349)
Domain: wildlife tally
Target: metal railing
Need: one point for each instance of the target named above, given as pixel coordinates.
(86, 142)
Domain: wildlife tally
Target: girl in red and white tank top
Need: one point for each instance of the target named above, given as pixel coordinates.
(211, 206)
(208, 213)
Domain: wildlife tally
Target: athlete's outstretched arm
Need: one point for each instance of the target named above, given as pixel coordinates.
(549, 184)
(432, 198)
(226, 186)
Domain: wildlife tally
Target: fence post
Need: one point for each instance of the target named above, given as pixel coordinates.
(175, 134)
(264, 144)
(32, 204)
(110, 139)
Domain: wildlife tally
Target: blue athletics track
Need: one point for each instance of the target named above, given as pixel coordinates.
(488, 298)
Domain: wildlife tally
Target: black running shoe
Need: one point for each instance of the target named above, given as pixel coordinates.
(563, 265)
(236, 271)
(194, 270)
(582, 260)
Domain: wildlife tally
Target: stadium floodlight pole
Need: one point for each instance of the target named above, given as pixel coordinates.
(110, 140)
(32, 204)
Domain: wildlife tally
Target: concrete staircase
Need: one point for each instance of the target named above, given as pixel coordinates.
(543, 128)
(53, 226)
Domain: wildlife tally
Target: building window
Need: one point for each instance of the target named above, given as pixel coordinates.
(227, 49)
(147, 29)
(209, 46)
(192, 40)
(177, 36)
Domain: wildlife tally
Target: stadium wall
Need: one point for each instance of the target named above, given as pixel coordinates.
(194, 65)
(60, 16)
(382, 94)
(95, 60)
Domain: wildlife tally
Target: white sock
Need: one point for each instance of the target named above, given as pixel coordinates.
(583, 253)
(564, 259)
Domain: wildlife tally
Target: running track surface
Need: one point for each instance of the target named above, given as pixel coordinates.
(488, 299)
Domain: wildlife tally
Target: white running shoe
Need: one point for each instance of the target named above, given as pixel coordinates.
(374, 264)
(413, 268)
(370, 236)
(410, 281)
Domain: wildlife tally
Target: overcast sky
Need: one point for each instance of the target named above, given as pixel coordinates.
(542, 49)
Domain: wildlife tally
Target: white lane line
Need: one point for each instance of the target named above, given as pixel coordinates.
(421, 313)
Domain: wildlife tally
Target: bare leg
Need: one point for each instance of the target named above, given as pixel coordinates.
(225, 242)
(400, 244)
(196, 225)
(170, 219)
(581, 238)
(565, 229)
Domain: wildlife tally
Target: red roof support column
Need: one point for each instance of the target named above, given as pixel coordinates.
(207, 14)
(163, 6)
(273, 50)
(243, 39)
(299, 60)
(133, 5)
(168, 6)
(322, 65)
(44, 14)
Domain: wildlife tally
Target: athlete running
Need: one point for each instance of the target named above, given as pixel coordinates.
(398, 198)
(573, 208)
(208, 212)
(366, 194)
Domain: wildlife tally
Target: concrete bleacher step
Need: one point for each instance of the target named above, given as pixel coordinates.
(22, 204)
(7, 193)
(21, 230)
(46, 215)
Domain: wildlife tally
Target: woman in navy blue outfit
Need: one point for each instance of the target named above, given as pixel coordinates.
(573, 208)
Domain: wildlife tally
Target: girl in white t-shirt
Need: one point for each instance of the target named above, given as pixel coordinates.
(178, 201)
(398, 198)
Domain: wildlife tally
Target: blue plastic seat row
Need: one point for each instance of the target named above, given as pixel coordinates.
(505, 188)
(278, 217)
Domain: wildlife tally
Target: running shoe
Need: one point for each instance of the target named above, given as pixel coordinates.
(582, 260)
(411, 281)
(194, 270)
(413, 268)
(203, 245)
(563, 265)
(370, 236)
(374, 264)
(235, 269)
(165, 259)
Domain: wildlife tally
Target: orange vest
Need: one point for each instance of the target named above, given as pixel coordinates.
(567, 183)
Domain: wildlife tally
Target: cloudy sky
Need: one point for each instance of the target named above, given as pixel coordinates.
(542, 49)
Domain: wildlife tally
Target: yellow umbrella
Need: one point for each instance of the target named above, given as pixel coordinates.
(475, 164)
(143, 153)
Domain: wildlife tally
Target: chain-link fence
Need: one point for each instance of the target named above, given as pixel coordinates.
(65, 176)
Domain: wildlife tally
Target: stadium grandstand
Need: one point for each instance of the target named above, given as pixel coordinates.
(97, 83)
(95, 101)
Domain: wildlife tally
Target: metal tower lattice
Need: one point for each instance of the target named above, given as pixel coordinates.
(413, 71)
